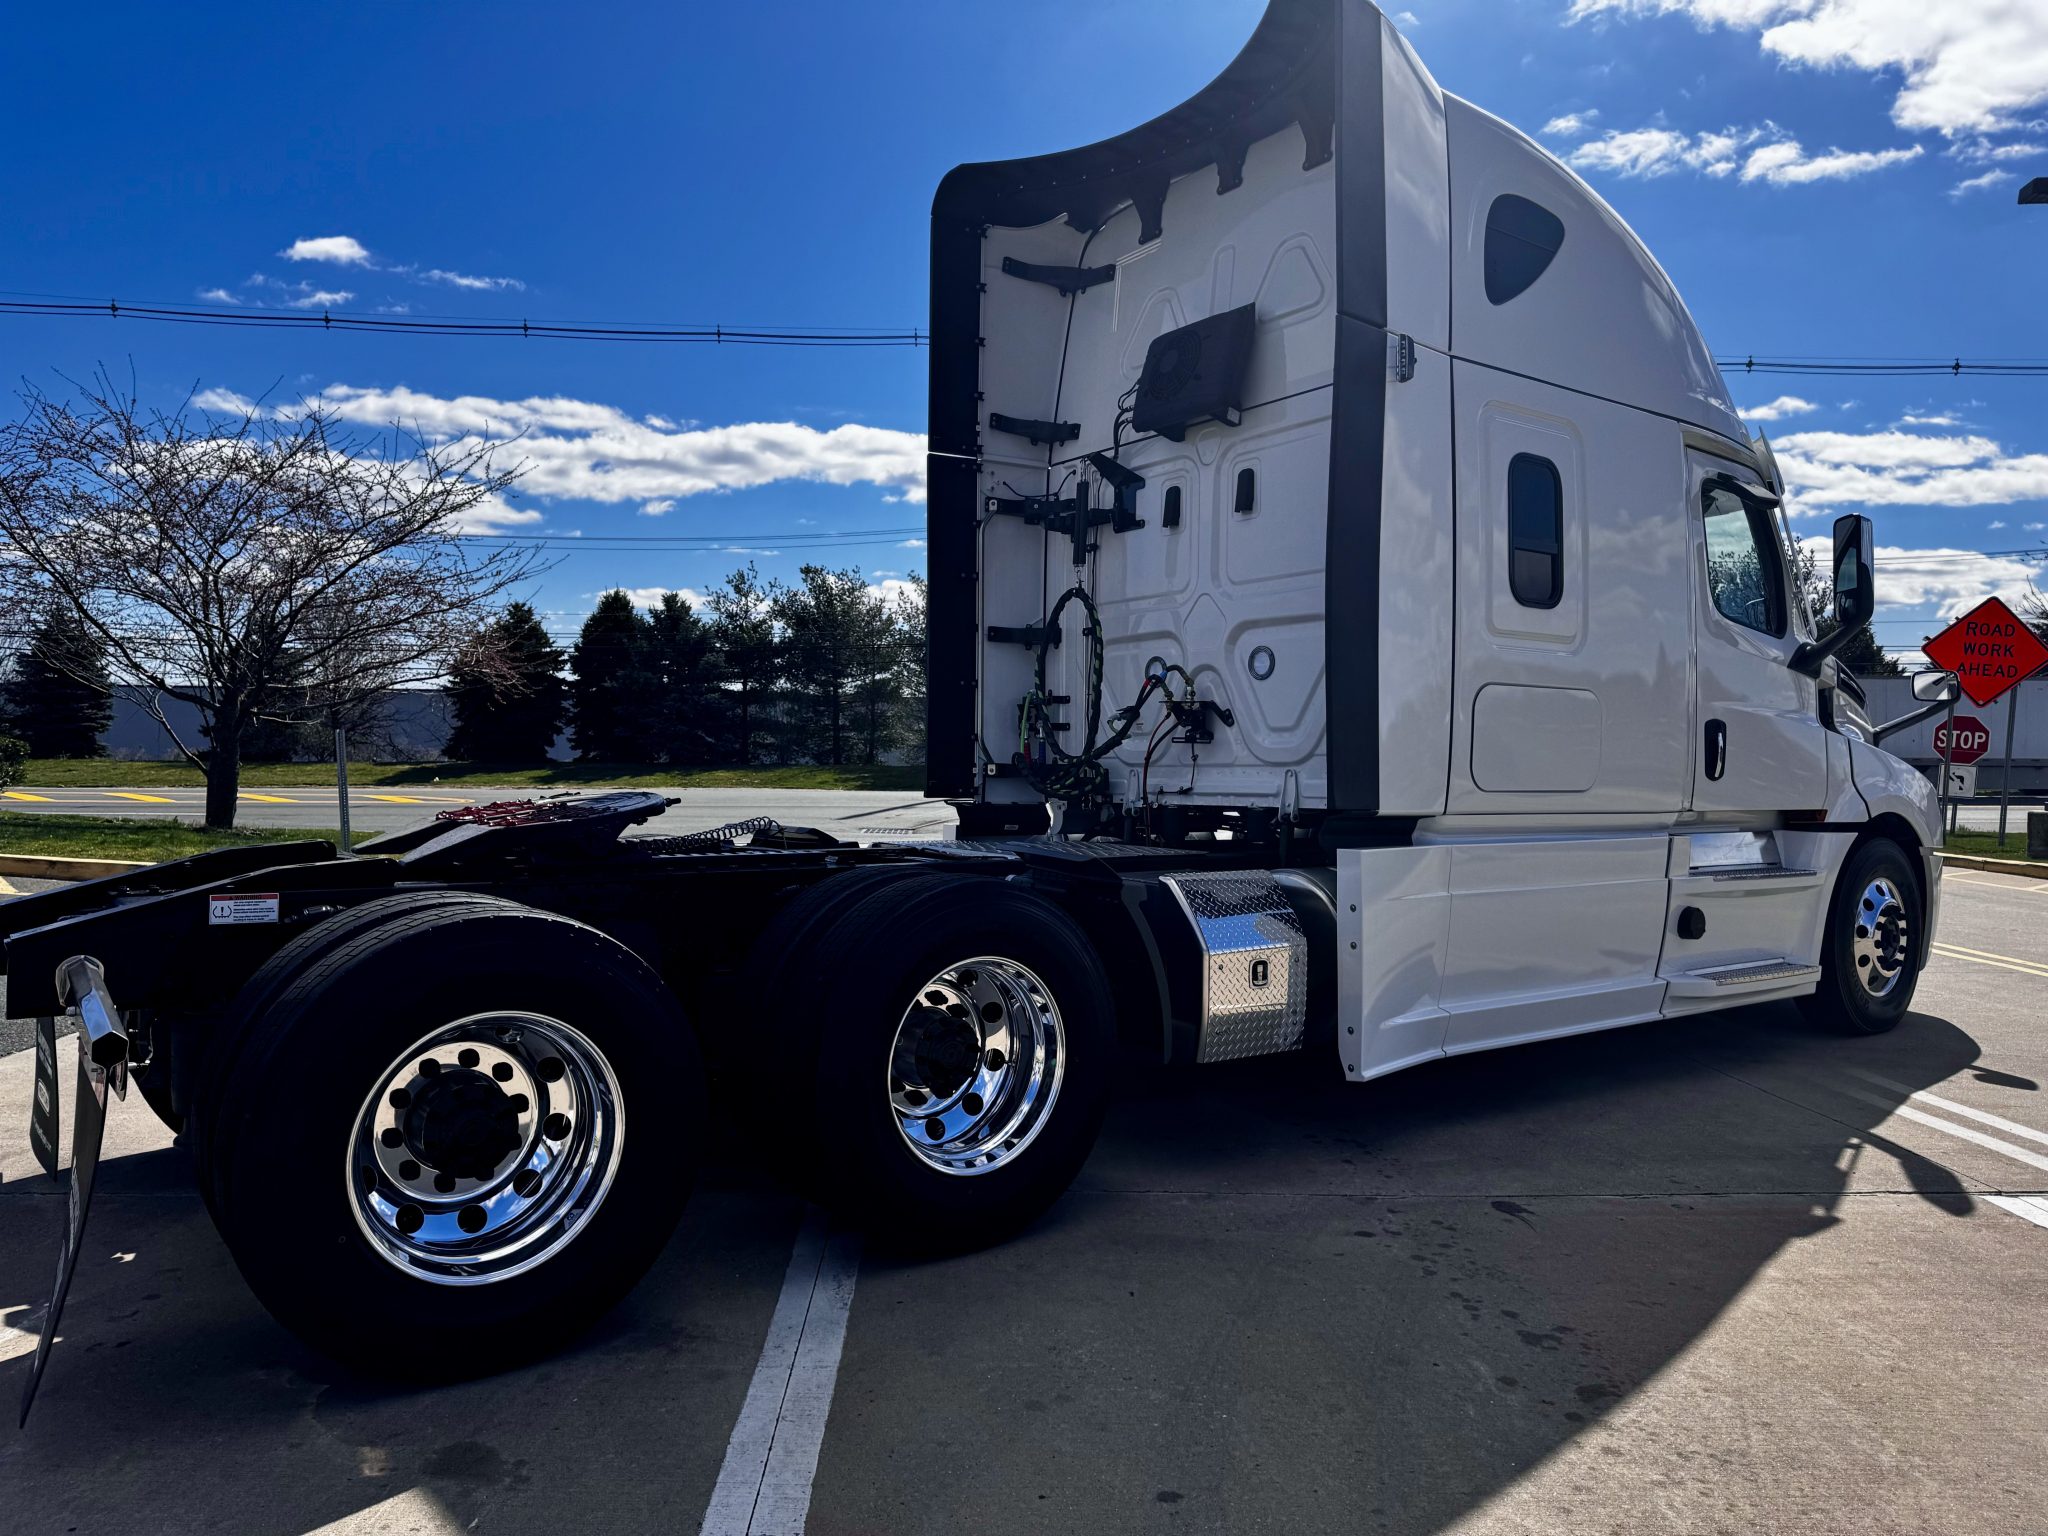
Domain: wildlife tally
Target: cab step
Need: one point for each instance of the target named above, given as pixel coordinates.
(1721, 980)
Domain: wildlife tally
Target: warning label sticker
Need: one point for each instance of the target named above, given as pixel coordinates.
(232, 911)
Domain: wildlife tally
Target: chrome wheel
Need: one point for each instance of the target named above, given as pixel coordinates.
(485, 1148)
(1883, 938)
(976, 1065)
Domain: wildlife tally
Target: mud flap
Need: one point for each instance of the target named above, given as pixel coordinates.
(84, 986)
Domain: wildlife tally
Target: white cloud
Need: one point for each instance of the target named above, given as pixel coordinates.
(1779, 409)
(1407, 19)
(223, 402)
(1950, 581)
(465, 280)
(2036, 527)
(580, 450)
(893, 590)
(320, 298)
(1906, 469)
(342, 250)
(1982, 183)
(650, 597)
(1786, 163)
(1571, 124)
(1911, 420)
(657, 508)
(911, 544)
(1995, 525)
(218, 296)
(1966, 66)
(1649, 152)
(1762, 153)
(1981, 151)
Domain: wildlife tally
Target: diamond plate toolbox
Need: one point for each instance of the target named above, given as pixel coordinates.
(1254, 964)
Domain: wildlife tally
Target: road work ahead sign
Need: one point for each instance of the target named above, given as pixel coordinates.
(1990, 651)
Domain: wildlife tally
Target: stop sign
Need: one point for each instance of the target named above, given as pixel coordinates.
(1965, 744)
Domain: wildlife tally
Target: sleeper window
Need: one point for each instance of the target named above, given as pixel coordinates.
(1535, 532)
(1743, 569)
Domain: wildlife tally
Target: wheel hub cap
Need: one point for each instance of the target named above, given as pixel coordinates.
(976, 1064)
(485, 1148)
(1883, 937)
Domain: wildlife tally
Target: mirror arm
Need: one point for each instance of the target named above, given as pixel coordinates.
(1812, 655)
(1907, 722)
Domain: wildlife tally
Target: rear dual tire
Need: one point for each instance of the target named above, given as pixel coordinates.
(958, 1037)
(461, 1134)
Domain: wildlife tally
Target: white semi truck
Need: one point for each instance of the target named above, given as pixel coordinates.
(1360, 623)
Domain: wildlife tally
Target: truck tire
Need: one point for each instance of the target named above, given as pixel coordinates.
(427, 1173)
(1869, 953)
(965, 1047)
(253, 1003)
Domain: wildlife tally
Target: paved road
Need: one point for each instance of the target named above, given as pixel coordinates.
(876, 814)
(1724, 1275)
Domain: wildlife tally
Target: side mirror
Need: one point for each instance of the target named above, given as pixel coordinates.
(1936, 687)
(1855, 593)
(1855, 574)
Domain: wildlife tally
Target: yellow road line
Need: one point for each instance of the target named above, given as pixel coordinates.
(2025, 888)
(2002, 962)
(396, 799)
(7, 890)
(22, 794)
(126, 794)
(250, 794)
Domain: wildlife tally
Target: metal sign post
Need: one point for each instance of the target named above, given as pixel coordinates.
(2012, 731)
(1948, 762)
(341, 787)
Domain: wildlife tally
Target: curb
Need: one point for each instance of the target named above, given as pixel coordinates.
(50, 866)
(2027, 869)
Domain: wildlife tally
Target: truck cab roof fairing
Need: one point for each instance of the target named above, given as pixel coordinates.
(1289, 73)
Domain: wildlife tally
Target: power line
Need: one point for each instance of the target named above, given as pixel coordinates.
(423, 325)
(1895, 368)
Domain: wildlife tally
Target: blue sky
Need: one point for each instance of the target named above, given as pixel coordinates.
(1812, 172)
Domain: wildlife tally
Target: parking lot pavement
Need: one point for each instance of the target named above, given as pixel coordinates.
(868, 815)
(1725, 1274)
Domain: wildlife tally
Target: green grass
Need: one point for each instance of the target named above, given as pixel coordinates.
(149, 841)
(106, 773)
(1984, 845)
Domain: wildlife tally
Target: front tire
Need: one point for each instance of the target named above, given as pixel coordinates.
(1875, 934)
(458, 1140)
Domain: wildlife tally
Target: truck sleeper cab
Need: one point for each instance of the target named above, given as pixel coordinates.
(1447, 564)
(1358, 620)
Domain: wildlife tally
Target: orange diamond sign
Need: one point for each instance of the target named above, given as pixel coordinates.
(1990, 651)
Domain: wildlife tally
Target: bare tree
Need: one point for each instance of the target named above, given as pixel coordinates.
(268, 567)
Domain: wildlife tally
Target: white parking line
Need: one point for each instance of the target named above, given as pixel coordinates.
(2027, 1207)
(1983, 1117)
(1960, 1132)
(764, 1484)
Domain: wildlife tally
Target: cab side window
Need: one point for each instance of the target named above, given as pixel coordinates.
(1744, 570)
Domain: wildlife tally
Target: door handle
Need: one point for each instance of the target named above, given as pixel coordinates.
(1717, 749)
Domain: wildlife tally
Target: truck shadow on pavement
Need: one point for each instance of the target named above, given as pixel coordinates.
(1273, 1300)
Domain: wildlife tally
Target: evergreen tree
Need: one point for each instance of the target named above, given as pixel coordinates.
(838, 650)
(609, 697)
(680, 722)
(742, 635)
(59, 699)
(912, 661)
(507, 693)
